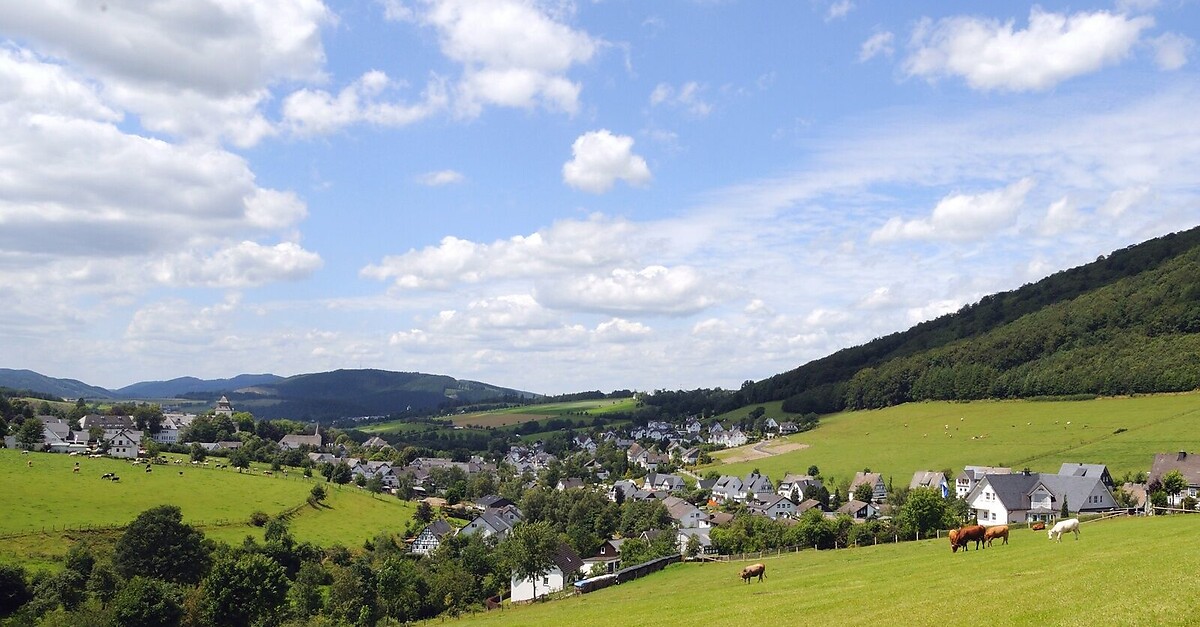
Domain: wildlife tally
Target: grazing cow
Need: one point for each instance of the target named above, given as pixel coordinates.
(115, 478)
(999, 531)
(966, 535)
(1064, 526)
(754, 570)
(148, 469)
(107, 475)
(953, 537)
(1038, 526)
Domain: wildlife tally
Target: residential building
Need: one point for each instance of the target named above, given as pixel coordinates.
(873, 479)
(566, 569)
(930, 479)
(431, 536)
(1024, 497)
(970, 476)
(1187, 464)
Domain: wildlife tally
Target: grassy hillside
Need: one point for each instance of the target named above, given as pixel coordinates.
(510, 416)
(43, 499)
(900, 440)
(1121, 572)
(1171, 297)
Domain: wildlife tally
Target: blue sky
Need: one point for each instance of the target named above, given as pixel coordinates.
(563, 195)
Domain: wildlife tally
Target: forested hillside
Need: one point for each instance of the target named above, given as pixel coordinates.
(1127, 322)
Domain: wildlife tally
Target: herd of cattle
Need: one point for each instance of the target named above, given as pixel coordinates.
(983, 536)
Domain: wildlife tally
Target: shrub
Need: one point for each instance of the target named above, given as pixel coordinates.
(259, 518)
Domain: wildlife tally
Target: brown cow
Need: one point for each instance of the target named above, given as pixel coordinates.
(1038, 526)
(953, 537)
(999, 531)
(967, 534)
(754, 570)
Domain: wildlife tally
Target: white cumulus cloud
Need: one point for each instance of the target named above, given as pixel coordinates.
(994, 55)
(318, 112)
(440, 178)
(1171, 50)
(600, 158)
(961, 216)
(514, 53)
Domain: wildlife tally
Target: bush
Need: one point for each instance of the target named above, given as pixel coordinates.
(259, 518)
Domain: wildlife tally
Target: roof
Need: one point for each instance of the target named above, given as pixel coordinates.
(870, 478)
(492, 500)
(678, 508)
(438, 528)
(720, 518)
(975, 473)
(808, 504)
(297, 440)
(926, 479)
(1013, 490)
(567, 559)
(852, 506)
(1186, 463)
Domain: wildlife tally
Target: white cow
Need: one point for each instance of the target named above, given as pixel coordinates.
(1064, 526)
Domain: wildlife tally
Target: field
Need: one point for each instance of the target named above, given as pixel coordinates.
(1121, 572)
(940, 435)
(516, 415)
(47, 503)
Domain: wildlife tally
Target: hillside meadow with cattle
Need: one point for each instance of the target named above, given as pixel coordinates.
(1124, 571)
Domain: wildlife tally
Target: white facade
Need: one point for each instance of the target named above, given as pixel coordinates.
(525, 589)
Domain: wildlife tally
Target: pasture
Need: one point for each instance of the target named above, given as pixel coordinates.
(510, 416)
(1121, 572)
(46, 506)
(1123, 433)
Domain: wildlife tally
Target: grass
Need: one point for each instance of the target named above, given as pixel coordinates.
(46, 506)
(1121, 572)
(511, 416)
(898, 441)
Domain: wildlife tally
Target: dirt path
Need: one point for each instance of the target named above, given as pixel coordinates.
(766, 448)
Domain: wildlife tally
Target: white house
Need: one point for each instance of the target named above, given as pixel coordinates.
(684, 536)
(797, 485)
(774, 507)
(431, 536)
(496, 521)
(1023, 497)
(172, 427)
(566, 569)
(686, 515)
(123, 443)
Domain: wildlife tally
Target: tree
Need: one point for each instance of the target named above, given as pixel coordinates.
(813, 471)
(374, 484)
(923, 512)
(424, 512)
(863, 492)
(693, 547)
(317, 494)
(29, 434)
(342, 474)
(148, 418)
(159, 544)
(304, 596)
(529, 551)
(147, 602)
(1173, 483)
(14, 589)
(103, 582)
(239, 459)
(197, 452)
(1065, 509)
(244, 590)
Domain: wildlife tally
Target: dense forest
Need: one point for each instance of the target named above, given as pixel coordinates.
(1128, 322)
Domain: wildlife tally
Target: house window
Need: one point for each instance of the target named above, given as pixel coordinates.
(545, 581)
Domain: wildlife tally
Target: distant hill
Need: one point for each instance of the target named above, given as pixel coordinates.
(1128, 322)
(62, 388)
(345, 393)
(191, 385)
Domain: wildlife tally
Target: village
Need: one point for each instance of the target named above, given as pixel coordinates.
(654, 465)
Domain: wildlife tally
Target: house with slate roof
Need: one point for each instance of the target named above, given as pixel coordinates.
(873, 479)
(431, 536)
(1088, 470)
(685, 515)
(970, 476)
(1026, 497)
(1187, 464)
(566, 569)
(797, 485)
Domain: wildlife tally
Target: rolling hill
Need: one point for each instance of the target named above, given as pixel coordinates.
(63, 388)
(1094, 329)
(191, 385)
(343, 393)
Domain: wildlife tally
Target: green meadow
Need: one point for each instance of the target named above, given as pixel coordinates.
(1123, 433)
(510, 416)
(46, 506)
(1130, 571)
